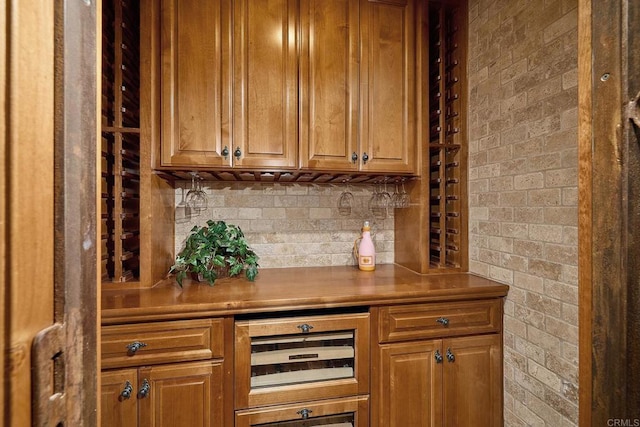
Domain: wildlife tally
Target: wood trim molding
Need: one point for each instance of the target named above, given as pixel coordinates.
(584, 209)
(74, 202)
(608, 218)
(4, 278)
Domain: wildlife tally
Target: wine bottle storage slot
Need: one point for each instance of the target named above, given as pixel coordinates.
(446, 135)
(120, 144)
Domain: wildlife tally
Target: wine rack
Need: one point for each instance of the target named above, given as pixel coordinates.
(120, 141)
(447, 148)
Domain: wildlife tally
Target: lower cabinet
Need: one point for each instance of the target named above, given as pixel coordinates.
(406, 365)
(185, 394)
(441, 382)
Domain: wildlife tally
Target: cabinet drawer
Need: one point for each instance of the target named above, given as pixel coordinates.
(351, 411)
(418, 321)
(162, 342)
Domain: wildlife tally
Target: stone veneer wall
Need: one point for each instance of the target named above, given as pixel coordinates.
(290, 225)
(523, 195)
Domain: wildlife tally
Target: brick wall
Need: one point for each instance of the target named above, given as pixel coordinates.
(523, 195)
(290, 225)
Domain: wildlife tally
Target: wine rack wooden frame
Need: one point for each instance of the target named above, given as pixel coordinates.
(447, 171)
(120, 137)
(432, 235)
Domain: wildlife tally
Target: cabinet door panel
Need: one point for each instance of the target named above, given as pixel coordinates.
(410, 385)
(188, 394)
(387, 80)
(117, 410)
(473, 381)
(329, 84)
(195, 50)
(265, 83)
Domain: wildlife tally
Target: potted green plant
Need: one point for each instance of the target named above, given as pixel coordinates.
(215, 250)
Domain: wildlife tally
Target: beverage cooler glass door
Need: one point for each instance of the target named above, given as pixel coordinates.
(292, 359)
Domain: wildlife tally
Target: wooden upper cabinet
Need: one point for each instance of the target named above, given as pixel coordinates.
(265, 86)
(195, 82)
(358, 86)
(388, 85)
(329, 84)
(287, 84)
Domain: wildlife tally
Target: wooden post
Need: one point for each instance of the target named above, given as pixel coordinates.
(609, 217)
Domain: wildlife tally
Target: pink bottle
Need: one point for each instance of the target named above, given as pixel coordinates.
(366, 250)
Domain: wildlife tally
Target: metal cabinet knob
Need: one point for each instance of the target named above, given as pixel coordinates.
(443, 321)
(144, 390)
(237, 153)
(450, 356)
(365, 158)
(354, 157)
(225, 152)
(126, 391)
(304, 413)
(438, 356)
(305, 328)
(134, 347)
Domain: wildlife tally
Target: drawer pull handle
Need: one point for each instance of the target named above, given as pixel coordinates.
(450, 356)
(304, 413)
(438, 356)
(305, 328)
(443, 321)
(134, 347)
(126, 391)
(144, 390)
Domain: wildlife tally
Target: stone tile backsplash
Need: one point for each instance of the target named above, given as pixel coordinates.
(290, 225)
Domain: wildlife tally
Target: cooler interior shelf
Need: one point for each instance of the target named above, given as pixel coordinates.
(286, 360)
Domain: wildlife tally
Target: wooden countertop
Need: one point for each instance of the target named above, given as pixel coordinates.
(281, 289)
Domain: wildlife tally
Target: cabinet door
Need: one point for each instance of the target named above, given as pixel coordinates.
(188, 394)
(409, 385)
(265, 98)
(329, 84)
(118, 402)
(473, 381)
(388, 85)
(195, 82)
